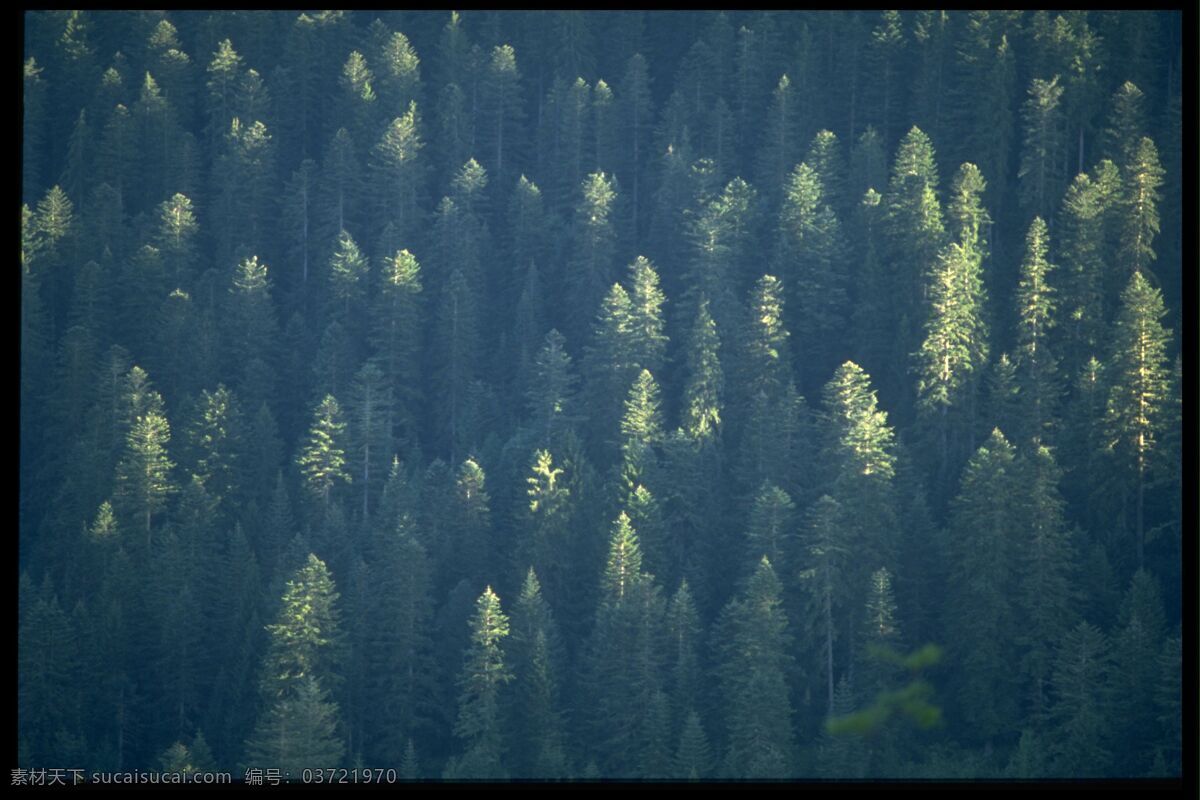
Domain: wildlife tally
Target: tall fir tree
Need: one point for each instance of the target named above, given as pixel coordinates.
(1138, 385)
(755, 664)
(482, 681)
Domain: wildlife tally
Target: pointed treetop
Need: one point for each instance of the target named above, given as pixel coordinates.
(624, 567)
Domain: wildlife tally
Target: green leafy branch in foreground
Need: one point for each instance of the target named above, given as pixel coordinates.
(912, 701)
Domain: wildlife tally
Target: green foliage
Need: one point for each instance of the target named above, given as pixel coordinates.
(521, 241)
(704, 392)
(1143, 178)
(1137, 388)
(306, 640)
(1080, 715)
(769, 530)
(692, 759)
(982, 574)
(754, 665)
(143, 481)
(1036, 317)
(483, 677)
(297, 732)
(551, 398)
(1041, 173)
(323, 459)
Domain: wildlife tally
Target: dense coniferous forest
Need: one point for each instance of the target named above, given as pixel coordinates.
(585, 394)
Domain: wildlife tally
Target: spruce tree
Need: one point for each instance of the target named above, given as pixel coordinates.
(755, 664)
(298, 731)
(144, 473)
(399, 643)
(323, 459)
(398, 173)
(824, 585)
(810, 256)
(536, 658)
(1043, 144)
(397, 338)
(593, 243)
(1137, 392)
(1081, 713)
(306, 640)
(1047, 592)
(1143, 177)
(704, 390)
(984, 536)
(482, 682)
(646, 299)
(769, 529)
(1037, 366)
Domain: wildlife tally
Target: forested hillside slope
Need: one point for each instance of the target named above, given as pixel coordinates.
(576, 394)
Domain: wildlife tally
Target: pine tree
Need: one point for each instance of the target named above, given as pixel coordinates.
(1043, 145)
(396, 337)
(862, 441)
(984, 535)
(826, 548)
(1081, 714)
(758, 710)
(881, 631)
(1046, 590)
(781, 141)
(398, 173)
(355, 102)
(224, 72)
(298, 731)
(646, 298)
(810, 256)
(457, 352)
(913, 218)
(370, 414)
(348, 280)
(955, 346)
(341, 186)
(719, 233)
(482, 681)
(215, 438)
(470, 525)
(323, 459)
(399, 640)
(1120, 139)
(1037, 367)
(636, 120)
(306, 641)
(769, 529)
(1137, 391)
(48, 660)
(692, 758)
(177, 237)
(609, 365)
(551, 398)
(502, 115)
(1080, 252)
(1143, 178)
(399, 72)
(1137, 643)
(704, 391)
(593, 242)
(144, 472)
(767, 364)
(623, 656)
(535, 654)
(641, 427)
(685, 679)
(1168, 691)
